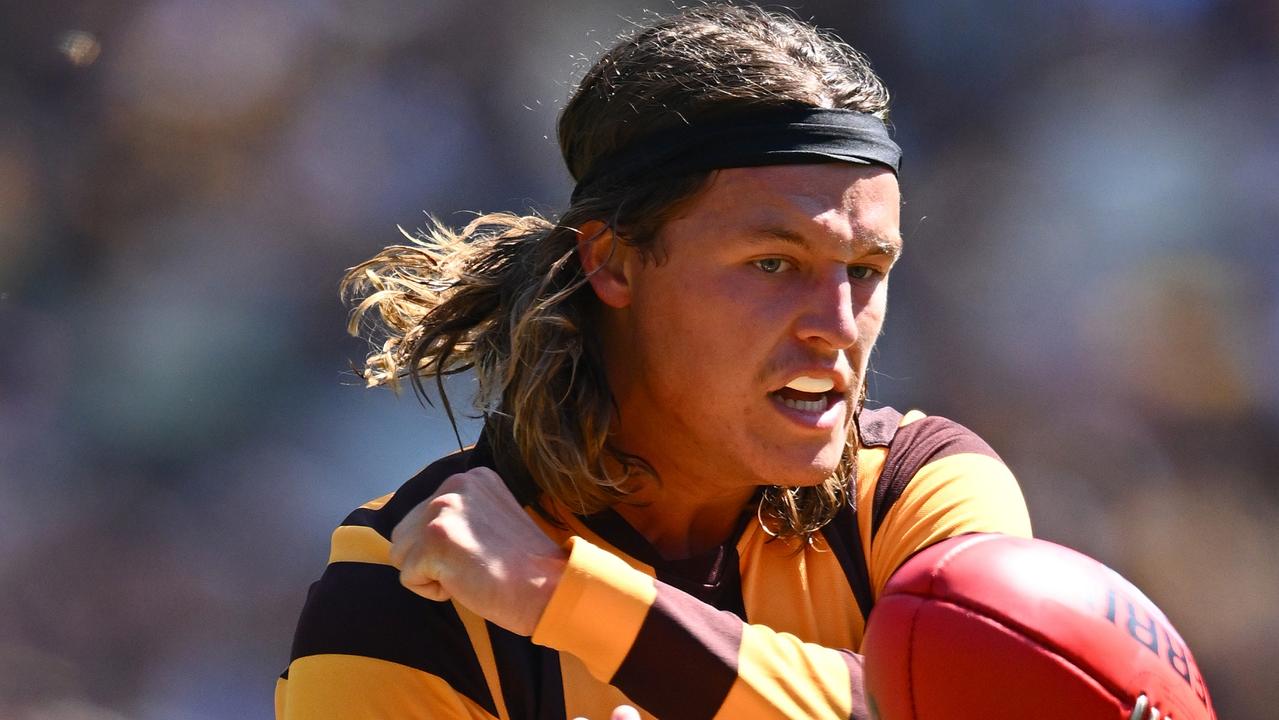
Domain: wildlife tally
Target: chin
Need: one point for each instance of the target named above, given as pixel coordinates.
(814, 471)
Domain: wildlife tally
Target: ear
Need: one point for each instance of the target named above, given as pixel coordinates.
(604, 259)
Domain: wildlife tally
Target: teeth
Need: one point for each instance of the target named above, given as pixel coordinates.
(807, 384)
(804, 405)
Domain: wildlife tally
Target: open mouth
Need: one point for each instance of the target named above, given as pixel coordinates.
(804, 401)
(808, 394)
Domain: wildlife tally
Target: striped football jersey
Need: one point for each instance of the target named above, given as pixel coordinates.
(756, 628)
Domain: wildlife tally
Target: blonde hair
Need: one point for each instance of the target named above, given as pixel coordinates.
(507, 298)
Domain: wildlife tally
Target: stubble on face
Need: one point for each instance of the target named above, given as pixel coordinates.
(704, 313)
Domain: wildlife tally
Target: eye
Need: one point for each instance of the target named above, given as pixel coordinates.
(862, 272)
(772, 264)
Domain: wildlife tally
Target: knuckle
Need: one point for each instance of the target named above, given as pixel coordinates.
(444, 502)
(435, 531)
(410, 576)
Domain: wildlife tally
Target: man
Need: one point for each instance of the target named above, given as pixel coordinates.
(677, 502)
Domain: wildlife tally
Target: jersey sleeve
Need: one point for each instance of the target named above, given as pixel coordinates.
(323, 687)
(946, 481)
(680, 658)
(367, 648)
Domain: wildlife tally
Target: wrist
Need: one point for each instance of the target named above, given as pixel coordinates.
(595, 583)
(544, 574)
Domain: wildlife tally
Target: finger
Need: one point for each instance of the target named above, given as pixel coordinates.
(430, 589)
(399, 550)
(625, 712)
(420, 562)
(405, 533)
(409, 532)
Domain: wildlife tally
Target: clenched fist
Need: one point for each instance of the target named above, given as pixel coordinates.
(472, 542)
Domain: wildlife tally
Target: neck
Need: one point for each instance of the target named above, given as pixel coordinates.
(680, 524)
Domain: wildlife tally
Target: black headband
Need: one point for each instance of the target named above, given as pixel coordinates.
(775, 137)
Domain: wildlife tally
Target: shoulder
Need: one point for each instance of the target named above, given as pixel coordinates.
(917, 436)
(384, 513)
(934, 479)
(359, 609)
(928, 459)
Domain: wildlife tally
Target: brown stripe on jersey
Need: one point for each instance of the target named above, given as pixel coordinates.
(856, 675)
(696, 645)
(877, 426)
(532, 686)
(916, 445)
(845, 542)
(713, 577)
(384, 519)
(361, 609)
(611, 526)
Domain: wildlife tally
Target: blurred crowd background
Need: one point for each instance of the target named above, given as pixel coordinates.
(1092, 197)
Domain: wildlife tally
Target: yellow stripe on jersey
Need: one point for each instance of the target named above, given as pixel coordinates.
(576, 528)
(357, 543)
(478, 633)
(797, 588)
(870, 463)
(780, 676)
(281, 688)
(621, 604)
(957, 494)
(349, 686)
(586, 697)
(377, 503)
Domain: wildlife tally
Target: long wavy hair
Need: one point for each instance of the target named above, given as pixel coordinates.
(506, 295)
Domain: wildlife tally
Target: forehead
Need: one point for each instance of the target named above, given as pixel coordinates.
(843, 197)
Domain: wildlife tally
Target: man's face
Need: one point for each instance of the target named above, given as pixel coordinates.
(736, 357)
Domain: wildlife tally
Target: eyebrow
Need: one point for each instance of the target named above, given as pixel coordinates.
(888, 245)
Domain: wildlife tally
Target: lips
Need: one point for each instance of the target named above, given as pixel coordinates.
(810, 397)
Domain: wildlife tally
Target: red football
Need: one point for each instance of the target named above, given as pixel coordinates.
(983, 627)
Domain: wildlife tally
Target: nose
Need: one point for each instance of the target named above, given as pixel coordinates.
(828, 318)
